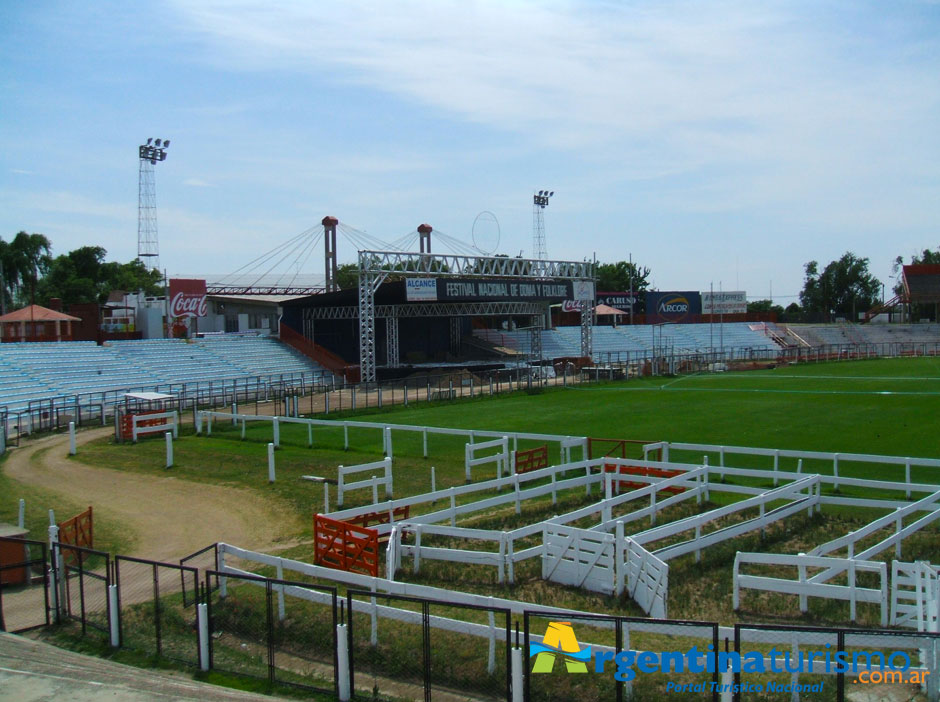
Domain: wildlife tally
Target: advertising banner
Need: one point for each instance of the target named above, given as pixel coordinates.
(618, 300)
(727, 302)
(421, 289)
(511, 289)
(571, 306)
(187, 297)
(583, 290)
(676, 306)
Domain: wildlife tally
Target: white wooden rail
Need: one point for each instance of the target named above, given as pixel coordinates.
(172, 424)
(501, 459)
(836, 459)
(342, 487)
(804, 587)
(870, 640)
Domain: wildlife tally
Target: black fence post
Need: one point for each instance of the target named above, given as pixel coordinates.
(840, 677)
(426, 637)
(269, 592)
(350, 645)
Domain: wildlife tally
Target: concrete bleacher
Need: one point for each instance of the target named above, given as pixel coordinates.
(843, 334)
(736, 338)
(33, 371)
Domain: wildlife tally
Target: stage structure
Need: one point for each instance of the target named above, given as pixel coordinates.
(523, 278)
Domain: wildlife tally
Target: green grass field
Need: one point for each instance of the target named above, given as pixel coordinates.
(877, 406)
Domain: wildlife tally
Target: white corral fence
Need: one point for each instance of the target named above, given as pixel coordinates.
(141, 424)
(500, 458)
(915, 596)
(805, 587)
(802, 490)
(343, 486)
(580, 558)
(566, 444)
(836, 460)
(924, 651)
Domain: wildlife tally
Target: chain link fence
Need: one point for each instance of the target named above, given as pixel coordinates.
(83, 576)
(24, 579)
(276, 630)
(155, 603)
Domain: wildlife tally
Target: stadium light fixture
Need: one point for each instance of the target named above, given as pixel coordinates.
(540, 199)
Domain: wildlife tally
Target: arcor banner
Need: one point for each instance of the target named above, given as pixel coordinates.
(676, 306)
(187, 297)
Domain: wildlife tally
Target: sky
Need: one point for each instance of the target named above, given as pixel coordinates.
(718, 143)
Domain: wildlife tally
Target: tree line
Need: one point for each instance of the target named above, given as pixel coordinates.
(30, 274)
(842, 289)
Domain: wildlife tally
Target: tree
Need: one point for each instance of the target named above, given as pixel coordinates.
(347, 276)
(765, 307)
(843, 289)
(83, 275)
(23, 261)
(622, 276)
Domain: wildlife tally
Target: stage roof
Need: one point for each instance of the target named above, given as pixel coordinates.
(922, 282)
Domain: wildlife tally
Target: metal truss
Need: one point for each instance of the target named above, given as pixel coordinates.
(264, 290)
(453, 265)
(375, 266)
(391, 341)
(430, 309)
(455, 336)
(587, 327)
(535, 342)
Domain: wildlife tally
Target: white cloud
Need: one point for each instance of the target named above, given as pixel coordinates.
(664, 88)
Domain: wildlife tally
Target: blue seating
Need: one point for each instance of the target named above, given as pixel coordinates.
(32, 371)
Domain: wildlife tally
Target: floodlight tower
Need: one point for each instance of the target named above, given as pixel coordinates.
(539, 203)
(148, 248)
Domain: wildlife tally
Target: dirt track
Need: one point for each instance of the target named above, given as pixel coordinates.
(164, 516)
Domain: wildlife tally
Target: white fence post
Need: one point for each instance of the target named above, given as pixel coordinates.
(388, 471)
(169, 449)
(388, 443)
(342, 662)
(202, 618)
(271, 462)
(416, 565)
(518, 687)
(71, 438)
(619, 559)
(21, 517)
(114, 616)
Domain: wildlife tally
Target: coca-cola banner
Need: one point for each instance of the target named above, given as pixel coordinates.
(187, 297)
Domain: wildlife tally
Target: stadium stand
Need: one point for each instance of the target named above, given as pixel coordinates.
(847, 334)
(738, 338)
(31, 371)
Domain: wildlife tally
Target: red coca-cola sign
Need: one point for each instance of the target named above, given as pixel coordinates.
(187, 297)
